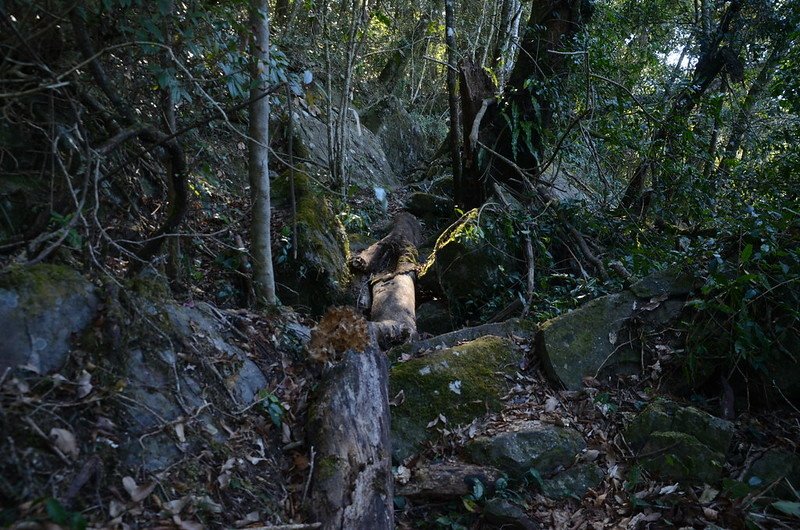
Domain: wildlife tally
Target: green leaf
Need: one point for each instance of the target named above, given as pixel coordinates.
(56, 511)
(788, 507)
(747, 251)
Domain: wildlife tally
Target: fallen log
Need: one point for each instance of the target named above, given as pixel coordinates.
(392, 266)
(352, 484)
(447, 481)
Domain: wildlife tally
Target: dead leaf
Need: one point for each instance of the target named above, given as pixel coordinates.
(403, 474)
(84, 384)
(551, 404)
(252, 517)
(667, 490)
(65, 441)
(590, 455)
(137, 493)
(301, 461)
(179, 432)
(175, 507)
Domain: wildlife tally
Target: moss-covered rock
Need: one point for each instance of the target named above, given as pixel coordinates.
(545, 448)
(40, 308)
(460, 383)
(775, 465)
(677, 456)
(585, 341)
(474, 265)
(319, 277)
(663, 415)
(574, 482)
(669, 282)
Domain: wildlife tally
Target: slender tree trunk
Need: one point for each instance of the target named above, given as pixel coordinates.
(263, 275)
(452, 93)
(392, 72)
(742, 119)
(508, 41)
(169, 119)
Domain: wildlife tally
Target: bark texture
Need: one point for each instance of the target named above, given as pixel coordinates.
(264, 277)
(349, 430)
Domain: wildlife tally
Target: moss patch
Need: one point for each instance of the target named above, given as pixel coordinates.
(461, 383)
(581, 343)
(319, 276)
(40, 285)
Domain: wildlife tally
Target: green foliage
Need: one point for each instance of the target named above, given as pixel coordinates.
(60, 515)
(272, 406)
(748, 315)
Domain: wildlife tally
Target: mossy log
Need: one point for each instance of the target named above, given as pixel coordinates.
(392, 264)
(349, 432)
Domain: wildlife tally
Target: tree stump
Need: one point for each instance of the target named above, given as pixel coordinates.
(349, 432)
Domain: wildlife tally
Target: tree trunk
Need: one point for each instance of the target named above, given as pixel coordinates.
(452, 91)
(392, 265)
(263, 275)
(349, 433)
(514, 127)
(507, 48)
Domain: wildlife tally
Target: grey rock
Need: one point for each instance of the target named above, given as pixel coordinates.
(670, 282)
(428, 205)
(545, 448)
(400, 136)
(574, 482)
(507, 515)
(772, 466)
(41, 307)
(591, 341)
(472, 265)
(434, 318)
(365, 158)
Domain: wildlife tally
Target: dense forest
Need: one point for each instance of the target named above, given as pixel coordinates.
(370, 264)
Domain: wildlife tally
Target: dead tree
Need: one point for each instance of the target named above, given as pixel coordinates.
(349, 433)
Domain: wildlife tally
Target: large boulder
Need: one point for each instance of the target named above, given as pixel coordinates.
(459, 383)
(365, 159)
(677, 456)
(529, 445)
(158, 387)
(776, 466)
(400, 136)
(319, 277)
(41, 307)
(594, 339)
(474, 265)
